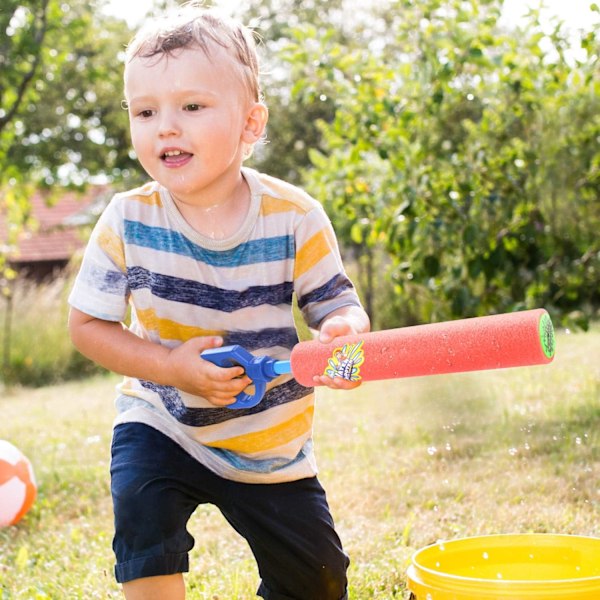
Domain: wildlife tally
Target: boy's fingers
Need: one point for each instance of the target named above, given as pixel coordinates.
(206, 342)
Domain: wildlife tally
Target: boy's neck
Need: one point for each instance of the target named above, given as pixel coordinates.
(217, 215)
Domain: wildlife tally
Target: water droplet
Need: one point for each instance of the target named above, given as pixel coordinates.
(485, 556)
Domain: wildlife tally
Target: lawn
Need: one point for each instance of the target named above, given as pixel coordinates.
(405, 463)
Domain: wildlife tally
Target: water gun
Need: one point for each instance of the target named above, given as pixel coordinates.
(480, 343)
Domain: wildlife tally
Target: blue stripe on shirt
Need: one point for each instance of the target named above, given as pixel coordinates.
(202, 417)
(108, 281)
(166, 240)
(332, 288)
(286, 337)
(268, 465)
(193, 292)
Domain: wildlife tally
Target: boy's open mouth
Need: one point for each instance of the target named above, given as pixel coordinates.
(175, 156)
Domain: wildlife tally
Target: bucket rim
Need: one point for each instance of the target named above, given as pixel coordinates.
(524, 585)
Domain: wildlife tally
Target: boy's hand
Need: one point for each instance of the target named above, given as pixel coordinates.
(336, 326)
(116, 348)
(191, 374)
(351, 320)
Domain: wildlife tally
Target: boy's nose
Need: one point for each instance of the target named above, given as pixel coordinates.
(168, 125)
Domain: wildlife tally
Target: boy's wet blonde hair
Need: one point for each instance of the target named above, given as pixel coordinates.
(192, 26)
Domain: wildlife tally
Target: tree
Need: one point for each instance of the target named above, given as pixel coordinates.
(292, 129)
(65, 123)
(60, 122)
(445, 150)
(60, 119)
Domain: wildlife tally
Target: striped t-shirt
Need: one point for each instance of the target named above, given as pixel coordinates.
(144, 257)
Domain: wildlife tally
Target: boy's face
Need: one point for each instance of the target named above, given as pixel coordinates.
(188, 119)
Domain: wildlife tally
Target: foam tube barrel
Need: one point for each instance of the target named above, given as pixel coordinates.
(493, 342)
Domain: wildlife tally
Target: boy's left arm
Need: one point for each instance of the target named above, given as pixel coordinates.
(348, 320)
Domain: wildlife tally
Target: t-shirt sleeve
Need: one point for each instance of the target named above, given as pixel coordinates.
(320, 281)
(100, 288)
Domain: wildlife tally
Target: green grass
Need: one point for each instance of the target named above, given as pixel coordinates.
(34, 346)
(405, 463)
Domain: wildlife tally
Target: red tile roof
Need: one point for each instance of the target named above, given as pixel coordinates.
(56, 234)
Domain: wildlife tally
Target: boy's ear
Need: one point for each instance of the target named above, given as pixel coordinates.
(256, 121)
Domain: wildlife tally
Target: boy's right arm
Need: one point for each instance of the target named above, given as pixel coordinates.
(117, 349)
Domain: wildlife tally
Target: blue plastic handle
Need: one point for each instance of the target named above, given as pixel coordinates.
(261, 369)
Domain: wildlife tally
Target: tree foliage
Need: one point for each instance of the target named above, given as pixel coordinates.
(468, 152)
(60, 87)
(291, 130)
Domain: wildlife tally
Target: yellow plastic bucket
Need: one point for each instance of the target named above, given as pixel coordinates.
(504, 567)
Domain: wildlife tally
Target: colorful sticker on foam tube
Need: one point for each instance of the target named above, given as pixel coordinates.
(547, 335)
(346, 361)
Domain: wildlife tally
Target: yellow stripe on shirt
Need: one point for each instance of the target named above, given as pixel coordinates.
(267, 439)
(171, 330)
(272, 206)
(112, 245)
(288, 193)
(152, 198)
(316, 248)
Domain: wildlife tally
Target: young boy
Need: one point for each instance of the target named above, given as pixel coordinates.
(208, 253)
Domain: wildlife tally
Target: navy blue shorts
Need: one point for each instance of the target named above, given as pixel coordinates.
(156, 486)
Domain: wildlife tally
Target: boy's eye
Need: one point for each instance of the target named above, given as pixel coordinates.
(145, 114)
(192, 107)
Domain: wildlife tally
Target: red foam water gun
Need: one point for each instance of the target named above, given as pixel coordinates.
(481, 343)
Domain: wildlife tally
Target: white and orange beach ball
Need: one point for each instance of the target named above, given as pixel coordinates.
(17, 484)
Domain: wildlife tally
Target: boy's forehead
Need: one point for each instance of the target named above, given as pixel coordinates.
(213, 52)
(223, 40)
(196, 62)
